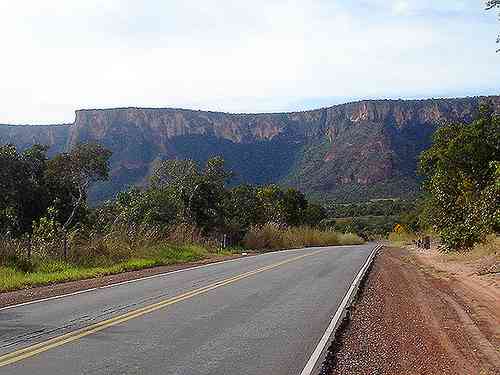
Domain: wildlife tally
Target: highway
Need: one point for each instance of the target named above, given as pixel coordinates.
(261, 314)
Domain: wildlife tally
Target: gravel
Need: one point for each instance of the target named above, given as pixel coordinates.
(401, 324)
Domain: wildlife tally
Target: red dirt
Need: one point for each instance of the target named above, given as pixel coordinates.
(412, 318)
(35, 293)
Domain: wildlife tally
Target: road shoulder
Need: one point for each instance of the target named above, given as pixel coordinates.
(59, 289)
(414, 318)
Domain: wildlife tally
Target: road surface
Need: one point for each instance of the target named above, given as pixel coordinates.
(257, 315)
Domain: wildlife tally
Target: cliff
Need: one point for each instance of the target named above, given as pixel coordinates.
(366, 149)
(24, 136)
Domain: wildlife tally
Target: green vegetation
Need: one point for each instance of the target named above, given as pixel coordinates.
(401, 238)
(48, 232)
(368, 227)
(271, 236)
(462, 181)
(51, 271)
(371, 220)
(404, 188)
(381, 207)
(494, 4)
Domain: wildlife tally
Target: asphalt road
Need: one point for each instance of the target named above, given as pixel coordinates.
(258, 315)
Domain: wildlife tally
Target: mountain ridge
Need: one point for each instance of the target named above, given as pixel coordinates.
(346, 151)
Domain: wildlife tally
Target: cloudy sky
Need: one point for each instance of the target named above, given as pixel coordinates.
(238, 56)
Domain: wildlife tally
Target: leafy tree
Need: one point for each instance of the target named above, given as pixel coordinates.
(313, 214)
(150, 207)
(294, 205)
(23, 196)
(76, 171)
(492, 4)
(198, 194)
(271, 200)
(460, 171)
(242, 210)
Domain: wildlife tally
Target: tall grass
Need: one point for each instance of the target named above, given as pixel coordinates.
(402, 238)
(51, 271)
(27, 262)
(272, 236)
(489, 248)
(39, 261)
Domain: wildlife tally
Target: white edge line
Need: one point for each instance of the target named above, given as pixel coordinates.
(115, 284)
(325, 339)
(152, 277)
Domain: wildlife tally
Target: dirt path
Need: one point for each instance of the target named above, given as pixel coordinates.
(413, 317)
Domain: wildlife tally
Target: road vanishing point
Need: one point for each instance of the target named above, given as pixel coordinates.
(264, 314)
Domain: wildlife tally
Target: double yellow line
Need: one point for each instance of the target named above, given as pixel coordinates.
(32, 350)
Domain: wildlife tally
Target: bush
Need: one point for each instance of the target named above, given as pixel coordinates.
(350, 239)
(184, 233)
(16, 253)
(47, 238)
(402, 238)
(272, 236)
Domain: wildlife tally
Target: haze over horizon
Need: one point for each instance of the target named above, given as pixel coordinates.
(264, 56)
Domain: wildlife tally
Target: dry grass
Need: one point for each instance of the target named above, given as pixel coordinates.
(401, 239)
(273, 236)
(488, 249)
(26, 263)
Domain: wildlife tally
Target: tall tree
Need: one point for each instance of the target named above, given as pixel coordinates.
(23, 195)
(494, 4)
(76, 171)
(199, 194)
(460, 169)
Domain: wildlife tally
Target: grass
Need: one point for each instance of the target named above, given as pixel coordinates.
(49, 272)
(272, 236)
(126, 250)
(401, 239)
(488, 248)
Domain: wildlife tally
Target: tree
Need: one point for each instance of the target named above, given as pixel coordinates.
(23, 197)
(242, 210)
(294, 205)
(198, 194)
(182, 178)
(272, 203)
(462, 195)
(314, 214)
(492, 4)
(75, 173)
(150, 207)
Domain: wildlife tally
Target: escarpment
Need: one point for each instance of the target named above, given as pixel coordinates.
(361, 150)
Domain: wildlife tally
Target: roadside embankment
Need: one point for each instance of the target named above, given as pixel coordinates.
(416, 316)
(60, 288)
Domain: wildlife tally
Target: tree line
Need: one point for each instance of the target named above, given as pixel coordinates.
(48, 197)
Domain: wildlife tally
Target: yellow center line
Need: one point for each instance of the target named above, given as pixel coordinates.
(41, 347)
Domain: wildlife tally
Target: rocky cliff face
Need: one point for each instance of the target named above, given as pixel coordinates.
(356, 150)
(23, 136)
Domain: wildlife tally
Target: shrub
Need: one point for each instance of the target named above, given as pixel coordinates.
(350, 239)
(47, 238)
(272, 236)
(402, 238)
(264, 237)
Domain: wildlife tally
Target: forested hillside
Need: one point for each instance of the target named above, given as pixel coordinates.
(350, 152)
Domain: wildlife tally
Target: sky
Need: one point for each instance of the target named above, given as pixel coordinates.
(238, 56)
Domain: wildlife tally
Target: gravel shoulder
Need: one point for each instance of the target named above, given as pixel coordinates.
(416, 316)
